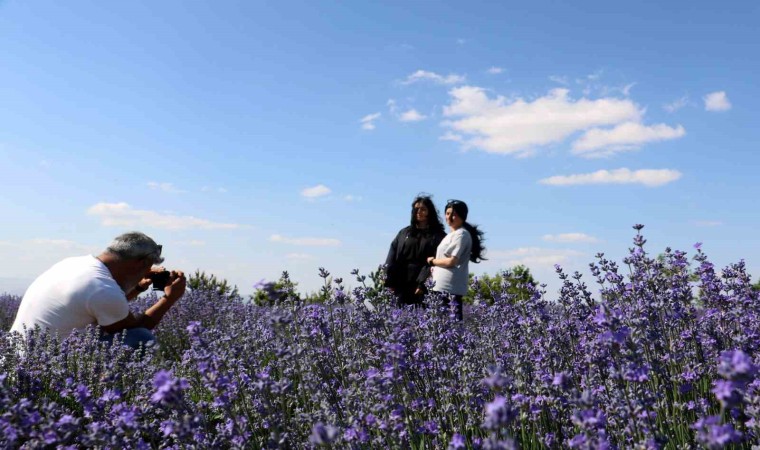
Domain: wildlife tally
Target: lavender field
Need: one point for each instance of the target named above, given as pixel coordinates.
(656, 352)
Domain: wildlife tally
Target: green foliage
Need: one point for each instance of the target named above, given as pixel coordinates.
(377, 283)
(280, 291)
(666, 270)
(372, 287)
(510, 285)
(200, 281)
(8, 307)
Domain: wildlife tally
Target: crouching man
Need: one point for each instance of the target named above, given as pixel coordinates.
(94, 290)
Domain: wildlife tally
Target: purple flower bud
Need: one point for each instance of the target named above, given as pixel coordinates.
(727, 393)
(168, 389)
(322, 434)
(498, 413)
(457, 442)
(736, 365)
(714, 435)
(496, 380)
(561, 380)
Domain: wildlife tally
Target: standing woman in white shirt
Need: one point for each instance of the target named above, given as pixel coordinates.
(450, 266)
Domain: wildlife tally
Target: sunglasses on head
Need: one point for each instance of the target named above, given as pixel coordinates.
(155, 254)
(453, 202)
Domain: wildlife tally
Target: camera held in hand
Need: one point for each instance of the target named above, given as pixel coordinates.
(160, 280)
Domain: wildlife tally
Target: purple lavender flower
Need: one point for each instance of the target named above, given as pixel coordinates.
(168, 389)
(496, 379)
(498, 414)
(561, 380)
(584, 371)
(736, 365)
(457, 442)
(322, 434)
(727, 393)
(714, 435)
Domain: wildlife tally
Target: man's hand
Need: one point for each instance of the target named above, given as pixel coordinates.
(144, 284)
(176, 286)
(152, 316)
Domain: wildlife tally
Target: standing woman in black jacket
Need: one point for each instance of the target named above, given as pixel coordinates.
(406, 263)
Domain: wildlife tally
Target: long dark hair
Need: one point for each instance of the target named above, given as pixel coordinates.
(476, 234)
(434, 219)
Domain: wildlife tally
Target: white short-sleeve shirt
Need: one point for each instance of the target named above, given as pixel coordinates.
(454, 279)
(72, 294)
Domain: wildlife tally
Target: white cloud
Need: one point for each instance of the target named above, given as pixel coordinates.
(391, 104)
(449, 136)
(647, 177)
(570, 237)
(595, 76)
(368, 121)
(319, 190)
(52, 244)
(61, 243)
(592, 84)
(305, 241)
(518, 127)
(708, 223)
(675, 105)
(495, 70)
(220, 190)
(599, 142)
(461, 41)
(299, 256)
(717, 101)
(533, 257)
(412, 116)
(559, 80)
(421, 75)
(164, 187)
(123, 215)
(27, 258)
(352, 198)
(626, 90)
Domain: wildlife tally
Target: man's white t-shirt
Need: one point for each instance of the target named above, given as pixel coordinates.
(453, 279)
(72, 294)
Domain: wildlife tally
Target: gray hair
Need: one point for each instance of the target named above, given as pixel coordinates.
(135, 245)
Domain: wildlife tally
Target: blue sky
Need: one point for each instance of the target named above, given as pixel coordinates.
(251, 137)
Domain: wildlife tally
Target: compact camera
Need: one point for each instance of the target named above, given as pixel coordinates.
(160, 280)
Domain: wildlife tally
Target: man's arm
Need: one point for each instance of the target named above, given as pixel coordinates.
(153, 315)
(144, 284)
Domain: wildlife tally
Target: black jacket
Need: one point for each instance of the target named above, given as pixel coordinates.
(406, 263)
